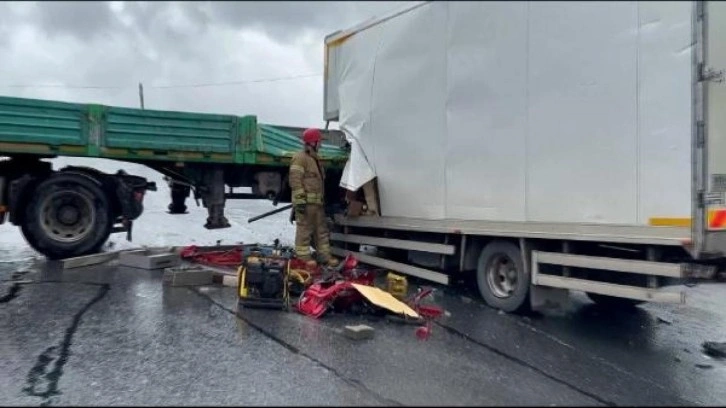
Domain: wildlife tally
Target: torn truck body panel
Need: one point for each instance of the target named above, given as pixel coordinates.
(578, 125)
(480, 111)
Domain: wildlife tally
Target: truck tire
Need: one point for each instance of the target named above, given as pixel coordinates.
(613, 302)
(502, 279)
(68, 215)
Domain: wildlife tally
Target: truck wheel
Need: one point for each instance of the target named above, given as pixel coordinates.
(67, 216)
(613, 302)
(502, 279)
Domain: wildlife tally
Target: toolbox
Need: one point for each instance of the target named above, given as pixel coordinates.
(396, 285)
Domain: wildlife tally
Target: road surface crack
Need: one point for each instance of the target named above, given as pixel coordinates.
(39, 375)
(13, 292)
(350, 381)
(528, 365)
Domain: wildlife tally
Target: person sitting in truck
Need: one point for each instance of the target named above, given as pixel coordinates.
(307, 180)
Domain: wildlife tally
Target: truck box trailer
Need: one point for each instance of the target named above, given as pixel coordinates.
(71, 212)
(550, 146)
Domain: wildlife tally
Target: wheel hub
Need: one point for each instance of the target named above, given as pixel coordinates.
(68, 215)
(502, 276)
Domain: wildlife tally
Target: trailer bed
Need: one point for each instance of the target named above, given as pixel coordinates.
(34, 126)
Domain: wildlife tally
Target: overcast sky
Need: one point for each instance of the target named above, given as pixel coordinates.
(118, 44)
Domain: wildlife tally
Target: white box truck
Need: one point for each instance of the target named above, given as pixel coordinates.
(548, 146)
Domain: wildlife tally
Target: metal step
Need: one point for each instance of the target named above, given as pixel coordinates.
(610, 264)
(395, 243)
(395, 266)
(610, 289)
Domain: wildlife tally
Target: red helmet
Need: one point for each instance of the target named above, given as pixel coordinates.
(311, 136)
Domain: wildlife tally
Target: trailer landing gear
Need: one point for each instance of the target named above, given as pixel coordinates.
(179, 195)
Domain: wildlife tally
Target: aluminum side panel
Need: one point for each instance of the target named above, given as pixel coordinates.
(355, 65)
(486, 111)
(408, 108)
(581, 142)
(664, 110)
(716, 95)
(522, 111)
(331, 81)
(714, 89)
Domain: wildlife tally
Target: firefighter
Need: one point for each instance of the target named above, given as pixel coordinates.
(307, 180)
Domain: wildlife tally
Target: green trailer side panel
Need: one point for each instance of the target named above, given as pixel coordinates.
(91, 130)
(247, 134)
(47, 122)
(283, 144)
(170, 131)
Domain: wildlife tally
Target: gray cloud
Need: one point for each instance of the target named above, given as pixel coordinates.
(282, 20)
(160, 43)
(83, 19)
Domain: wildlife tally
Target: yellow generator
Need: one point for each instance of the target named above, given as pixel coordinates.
(262, 283)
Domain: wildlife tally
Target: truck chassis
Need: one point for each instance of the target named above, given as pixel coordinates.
(520, 266)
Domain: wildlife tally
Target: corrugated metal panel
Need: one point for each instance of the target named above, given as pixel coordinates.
(284, 143)
(170, 131)
(331, 137)
(126, 131)
(38, 121)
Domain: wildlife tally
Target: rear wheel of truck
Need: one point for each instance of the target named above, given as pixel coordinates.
(68, 215)
(613, 302)
(502, 279)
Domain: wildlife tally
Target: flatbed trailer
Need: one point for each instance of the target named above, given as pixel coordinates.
(71, 212)
(555, 146)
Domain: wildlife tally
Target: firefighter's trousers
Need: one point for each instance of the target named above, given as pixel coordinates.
(312, 224)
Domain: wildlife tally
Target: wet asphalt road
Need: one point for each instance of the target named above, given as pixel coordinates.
(115, 335)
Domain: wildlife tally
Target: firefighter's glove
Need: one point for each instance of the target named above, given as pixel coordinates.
(299, 200)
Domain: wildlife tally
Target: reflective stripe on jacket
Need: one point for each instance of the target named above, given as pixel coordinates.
(307, 179)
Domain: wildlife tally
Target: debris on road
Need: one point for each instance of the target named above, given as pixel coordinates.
(704, 366)
(228, 280)
(187, 276)
(664, 321)
(230, 257)
(714, 349)
(422, 304)
(397, 285)
(359, 332)
(267, 276)
(321, 297)
(148, 259)
(88, 260)
(402, 320)
(385, 300)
